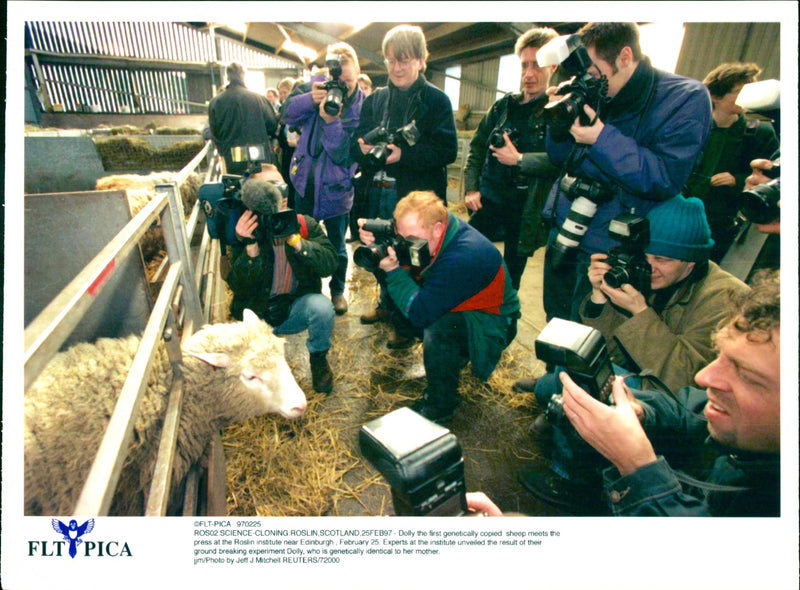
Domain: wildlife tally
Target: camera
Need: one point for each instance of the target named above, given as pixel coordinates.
(760, 204)
(628, 261)
(221, 201)
(582, 352)
(337, 89)
(580, 90)
(497, 139)
(586, 195)
(409, 251)
(380, 138)
(421, 461)
(283, 223)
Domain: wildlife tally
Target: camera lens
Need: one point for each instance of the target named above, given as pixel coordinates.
(376, 157)
(616, 277)
(760, 203)
(496, 139)
(333, 102)
(562, 113)
(369, 257)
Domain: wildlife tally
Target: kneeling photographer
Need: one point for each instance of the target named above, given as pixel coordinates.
(459, 299)
(657, 299)
(277, 272)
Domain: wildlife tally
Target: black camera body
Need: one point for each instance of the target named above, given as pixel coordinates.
(628, 261)
(586, 196)
(580, 90)
(760, 203)
(337, 89)
(582, 352)
(380, 138)
(421, 460)
(497, 139)
(409, 251)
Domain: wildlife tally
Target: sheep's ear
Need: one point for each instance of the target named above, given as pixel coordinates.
(250, 317)
(220, 360)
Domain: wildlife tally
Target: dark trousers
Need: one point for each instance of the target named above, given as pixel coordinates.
(565, 286)
(507, 215)
(445, 351)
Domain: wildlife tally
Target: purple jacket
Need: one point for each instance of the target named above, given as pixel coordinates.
(324, 151)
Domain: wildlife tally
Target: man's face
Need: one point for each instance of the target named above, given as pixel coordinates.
(727, 104)
(402, 72)
(616, 77)
(743, 385)
(667, 271)
(283, 92)
(365, 88)
(349, 74)
(535, 79)
(410, 226)
(272, 97)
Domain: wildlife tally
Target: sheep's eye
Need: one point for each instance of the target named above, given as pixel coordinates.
(250, 376)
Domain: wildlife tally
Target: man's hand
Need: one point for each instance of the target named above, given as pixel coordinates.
(366, 237)
(395, 155)
(626, 297)
(508, 154)
(587, 135)
(365, 147)
(318, 94)
(723, 179)
(598, 267)
(478, 502)
(473, 200)
(614, 431)
(389, 263)
(245, 228)
(758, 177)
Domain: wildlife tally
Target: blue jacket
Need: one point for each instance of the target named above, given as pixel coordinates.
(655, 129)
(751, 480)
(467, 275)
(324, 151)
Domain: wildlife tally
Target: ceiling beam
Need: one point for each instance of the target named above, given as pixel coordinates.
(325, 39)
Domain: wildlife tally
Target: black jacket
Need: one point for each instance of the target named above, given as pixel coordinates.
(250, 279)
(422, 166)
(239, 116)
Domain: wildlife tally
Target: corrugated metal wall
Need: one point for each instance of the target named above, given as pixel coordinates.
(706, 45)
(479, 98)
(80, 87)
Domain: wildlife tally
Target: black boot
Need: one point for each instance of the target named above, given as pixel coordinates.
(321, 376)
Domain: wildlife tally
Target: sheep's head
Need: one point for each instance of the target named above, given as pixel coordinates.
(259, 380)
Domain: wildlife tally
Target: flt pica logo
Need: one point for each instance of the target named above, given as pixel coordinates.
(72, 540)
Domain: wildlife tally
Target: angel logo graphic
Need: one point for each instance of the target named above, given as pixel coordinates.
(73, 533)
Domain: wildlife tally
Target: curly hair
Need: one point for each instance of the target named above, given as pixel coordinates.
(758, 312)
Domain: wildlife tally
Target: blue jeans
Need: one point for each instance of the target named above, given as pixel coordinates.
(336, 228)
(312, 312)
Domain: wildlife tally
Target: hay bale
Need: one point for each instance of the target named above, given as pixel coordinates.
(134, 153)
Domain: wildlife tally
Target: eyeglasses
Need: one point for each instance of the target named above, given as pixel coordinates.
(403, 63)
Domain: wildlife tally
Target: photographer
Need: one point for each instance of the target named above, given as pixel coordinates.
(462, 303)
(239, 116)
(639, 145)
(408, 100)
(278, 276)
(506, 182)
(666, 330)
(741, 405)
(321, 169)
(735, 140)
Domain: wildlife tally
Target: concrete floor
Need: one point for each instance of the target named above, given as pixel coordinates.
(494, 436)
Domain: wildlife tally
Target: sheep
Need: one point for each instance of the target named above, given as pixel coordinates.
(232, 372)
(140, 190)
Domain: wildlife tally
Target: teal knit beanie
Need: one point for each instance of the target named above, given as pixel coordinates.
(679, 229)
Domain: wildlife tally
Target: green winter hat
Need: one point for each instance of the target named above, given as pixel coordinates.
(679, 229)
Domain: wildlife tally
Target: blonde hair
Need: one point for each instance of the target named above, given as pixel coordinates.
(346, 51)
(536, 38)
(428, 207)
(407, 42)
